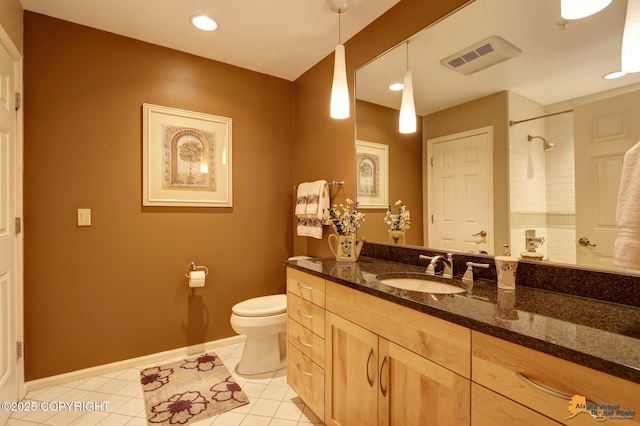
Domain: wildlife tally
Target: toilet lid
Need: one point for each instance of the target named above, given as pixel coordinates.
(261, 306)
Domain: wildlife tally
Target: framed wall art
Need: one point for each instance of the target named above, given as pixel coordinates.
(186, 158)
(372, 175)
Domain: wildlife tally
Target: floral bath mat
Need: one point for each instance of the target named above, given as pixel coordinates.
(189, 390)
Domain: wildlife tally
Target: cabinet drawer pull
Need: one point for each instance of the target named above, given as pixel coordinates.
(306, 373)
(305, 315)
(369, 379)
(543, 388)
(309, 345)
(304, 287)
(383, 390)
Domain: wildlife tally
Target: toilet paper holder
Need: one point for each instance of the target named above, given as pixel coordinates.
(193, 266)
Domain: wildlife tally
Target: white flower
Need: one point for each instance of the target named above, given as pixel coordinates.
(400, 221)
(347, 219)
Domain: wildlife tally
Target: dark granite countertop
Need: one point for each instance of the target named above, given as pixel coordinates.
(601, 335)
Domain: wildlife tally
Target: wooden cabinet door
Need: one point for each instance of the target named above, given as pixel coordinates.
(416, 391)
(351, 382)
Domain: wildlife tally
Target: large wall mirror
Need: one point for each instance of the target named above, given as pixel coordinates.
(520, 138)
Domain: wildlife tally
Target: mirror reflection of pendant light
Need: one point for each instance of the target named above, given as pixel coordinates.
(578, 9)
(631, 38)
(407, 106)
(339, 89)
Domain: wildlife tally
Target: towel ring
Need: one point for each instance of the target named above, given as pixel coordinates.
(194, 267)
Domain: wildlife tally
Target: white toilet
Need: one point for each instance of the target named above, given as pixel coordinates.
(263, 321)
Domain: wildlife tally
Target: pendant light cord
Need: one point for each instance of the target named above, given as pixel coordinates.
(339, 27)
(407, 56)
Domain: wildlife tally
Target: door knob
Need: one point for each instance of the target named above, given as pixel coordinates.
(481, 233)
(584, 242)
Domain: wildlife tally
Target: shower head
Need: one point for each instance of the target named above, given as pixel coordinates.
(547, 145)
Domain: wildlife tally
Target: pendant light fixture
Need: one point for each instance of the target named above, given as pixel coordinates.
(339, 89)
(578, 9)
(407, 122)
(631, 38)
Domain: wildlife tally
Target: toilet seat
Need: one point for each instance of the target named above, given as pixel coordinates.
(261, 306)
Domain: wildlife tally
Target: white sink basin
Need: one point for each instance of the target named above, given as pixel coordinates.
(425, 286)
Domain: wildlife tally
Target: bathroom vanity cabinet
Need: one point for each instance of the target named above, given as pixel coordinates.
(374, 361)
(385, 364)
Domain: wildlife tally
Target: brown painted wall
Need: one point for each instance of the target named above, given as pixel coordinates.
(117, 290)
(11, 20)
(325, 148)
(488, 111)
(380, 125)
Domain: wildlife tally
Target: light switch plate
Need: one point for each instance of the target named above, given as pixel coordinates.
(84, 217)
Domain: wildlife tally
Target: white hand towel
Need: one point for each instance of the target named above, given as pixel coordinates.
(626, 251)
(314, 196)
(301, 198)
(320, 187)
(309, 227)
(311, 205)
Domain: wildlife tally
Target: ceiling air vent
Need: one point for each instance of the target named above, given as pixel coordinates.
(481, 55)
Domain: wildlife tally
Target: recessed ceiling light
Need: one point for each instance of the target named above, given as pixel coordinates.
(613, 75)
(396, 87)
(204, 23)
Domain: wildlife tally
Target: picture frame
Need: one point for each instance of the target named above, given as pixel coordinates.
(187, 158)
(372, 175)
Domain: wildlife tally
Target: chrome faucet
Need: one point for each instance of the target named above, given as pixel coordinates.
(430, 270)
(532, 241)
(468, 275)
(447, 262)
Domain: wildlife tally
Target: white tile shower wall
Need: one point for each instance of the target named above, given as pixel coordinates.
(526, 159)
(560, 164)
(561, 244)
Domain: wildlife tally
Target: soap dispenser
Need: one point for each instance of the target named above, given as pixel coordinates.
(506, 267)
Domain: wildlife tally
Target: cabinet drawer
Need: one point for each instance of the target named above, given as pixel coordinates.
(440, 341)
(308, 287)
(306, 379)
(489, 409)
(306, 341)
(526, 376)
(306, 313)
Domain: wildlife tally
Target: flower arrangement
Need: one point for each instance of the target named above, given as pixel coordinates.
(345, 218)
(400, 221)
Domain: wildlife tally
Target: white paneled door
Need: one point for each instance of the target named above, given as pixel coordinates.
(604, 131)
(9, 258)
(460, 185)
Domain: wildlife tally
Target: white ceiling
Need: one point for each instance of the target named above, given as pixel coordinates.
(555, 64)
(282, 38)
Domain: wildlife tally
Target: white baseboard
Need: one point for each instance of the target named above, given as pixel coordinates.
(130, 363)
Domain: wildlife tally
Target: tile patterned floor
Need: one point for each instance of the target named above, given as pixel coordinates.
(272, 402)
